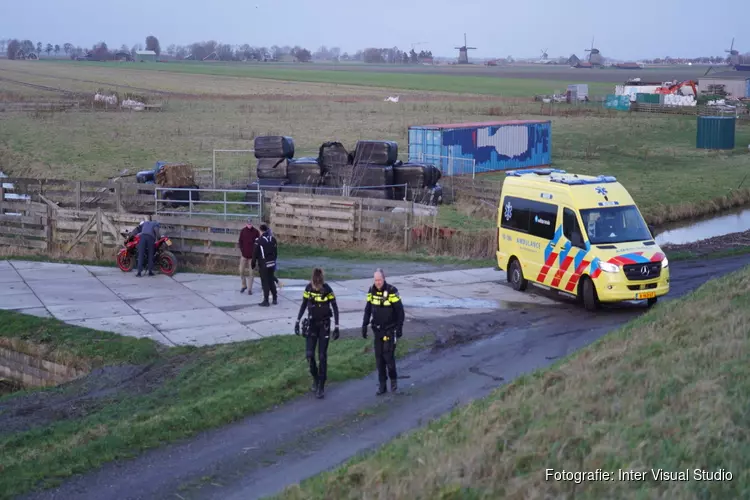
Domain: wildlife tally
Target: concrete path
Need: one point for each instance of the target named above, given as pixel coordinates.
(203, 309)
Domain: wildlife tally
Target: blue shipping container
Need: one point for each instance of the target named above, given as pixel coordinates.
(468, 148)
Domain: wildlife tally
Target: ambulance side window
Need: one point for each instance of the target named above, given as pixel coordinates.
(571, 229)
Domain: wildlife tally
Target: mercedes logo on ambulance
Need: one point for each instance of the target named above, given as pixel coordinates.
(645, 271)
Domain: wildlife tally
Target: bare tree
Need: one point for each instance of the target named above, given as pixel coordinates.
(67, 47)
(171, 50)
(49, 48)
(3, 45)
(57, 49)
(38, 47)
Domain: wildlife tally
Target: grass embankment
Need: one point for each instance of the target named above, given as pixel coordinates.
(185, 391)
(668, 391)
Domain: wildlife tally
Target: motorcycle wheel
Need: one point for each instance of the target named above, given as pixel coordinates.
(125, 261)
(167, 263)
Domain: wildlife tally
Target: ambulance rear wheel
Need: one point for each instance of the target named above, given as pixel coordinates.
(652, 302)
(590, 297)
(515, 276)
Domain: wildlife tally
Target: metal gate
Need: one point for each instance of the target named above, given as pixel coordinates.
(225, 203)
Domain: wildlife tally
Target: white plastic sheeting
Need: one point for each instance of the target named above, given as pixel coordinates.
(679, 100)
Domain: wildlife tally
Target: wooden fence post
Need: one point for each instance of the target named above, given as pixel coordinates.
(48, 228)
(99, 238)
(78, 195)
(118, 197)
(359, 221)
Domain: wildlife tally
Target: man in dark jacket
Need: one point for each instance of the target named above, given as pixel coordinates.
(264, 256)
(385, 309)
(149, 231)
(246, 243)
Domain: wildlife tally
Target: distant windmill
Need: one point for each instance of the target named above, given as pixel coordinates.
(595, 57)
(734, 55)
(463, 52)
(544, 55)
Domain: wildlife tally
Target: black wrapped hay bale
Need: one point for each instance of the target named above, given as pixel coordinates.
(273, 168)
(305, 171)
(274, 146)
(376, 152)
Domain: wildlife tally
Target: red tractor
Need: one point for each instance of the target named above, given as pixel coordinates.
(164, 260)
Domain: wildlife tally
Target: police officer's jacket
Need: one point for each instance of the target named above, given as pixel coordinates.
(384, 307)
(265, 251)
(319, 304)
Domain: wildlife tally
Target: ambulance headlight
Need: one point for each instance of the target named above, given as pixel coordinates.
(609, 268)
(665, 263)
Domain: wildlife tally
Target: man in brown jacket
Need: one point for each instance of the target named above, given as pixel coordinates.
(248, 235)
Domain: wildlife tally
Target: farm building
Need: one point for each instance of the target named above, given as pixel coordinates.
(145, 56)
(730, 83)
(469, 148)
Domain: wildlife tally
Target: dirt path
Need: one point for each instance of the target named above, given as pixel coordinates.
(472, 356)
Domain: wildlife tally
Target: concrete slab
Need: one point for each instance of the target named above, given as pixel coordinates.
(53, 274)
(31, 265)
(5, 264)
(91, 310)
(14, 287)
(9, 275)
(103, 271)
(483, 274)
(39, 312)
(125, 279)
(503, 294)
(59, 297)
(277, 326)
(134, 292)
(178, 320)
(20, 301)
(443, 278)
(253, 313)
(132, 326)
(207, 335)
(172, 303)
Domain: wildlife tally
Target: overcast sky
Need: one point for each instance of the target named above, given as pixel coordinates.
(497, 28)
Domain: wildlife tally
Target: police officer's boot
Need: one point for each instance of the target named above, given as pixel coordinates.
(320, 394)
(394, 385)
(382, 389)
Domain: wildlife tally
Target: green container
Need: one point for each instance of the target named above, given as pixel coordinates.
(648, 98)
(716, 132)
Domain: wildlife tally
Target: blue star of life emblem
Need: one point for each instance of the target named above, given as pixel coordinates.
(601, 190)
(508, 211)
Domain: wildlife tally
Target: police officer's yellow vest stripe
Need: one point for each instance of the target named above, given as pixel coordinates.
(378, 299)
(317, 297)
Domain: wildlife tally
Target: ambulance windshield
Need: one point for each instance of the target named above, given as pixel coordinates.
(615, 225)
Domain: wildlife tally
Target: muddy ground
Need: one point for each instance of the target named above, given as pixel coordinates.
(468, 358)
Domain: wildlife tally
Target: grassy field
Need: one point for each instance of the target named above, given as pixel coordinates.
(669, 391)
(475, 82)
(653, 155)
(186, 390)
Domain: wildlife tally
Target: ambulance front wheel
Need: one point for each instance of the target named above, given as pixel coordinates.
(590, 297)
(515, 276)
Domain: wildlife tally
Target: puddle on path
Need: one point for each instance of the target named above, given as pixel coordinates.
(733, 222)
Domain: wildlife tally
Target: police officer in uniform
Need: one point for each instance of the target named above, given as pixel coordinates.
(320, 302)
(385, 309)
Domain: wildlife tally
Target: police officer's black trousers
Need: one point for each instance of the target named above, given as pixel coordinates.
(267, 281)
(146, 247)
(320, 332)
(385, 353)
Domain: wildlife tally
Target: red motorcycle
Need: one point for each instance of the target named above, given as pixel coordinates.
(163, 258)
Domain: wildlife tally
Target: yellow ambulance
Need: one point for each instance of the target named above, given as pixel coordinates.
(579, 235)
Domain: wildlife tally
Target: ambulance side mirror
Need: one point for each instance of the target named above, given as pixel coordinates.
(577, 240)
